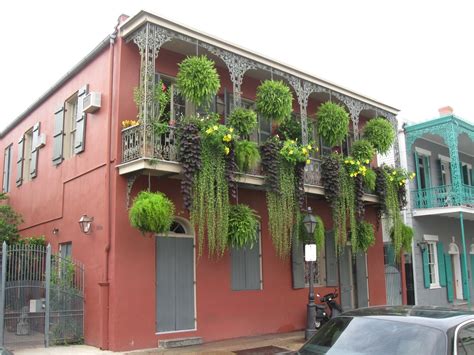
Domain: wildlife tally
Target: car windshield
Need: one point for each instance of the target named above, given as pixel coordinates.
(360, 336)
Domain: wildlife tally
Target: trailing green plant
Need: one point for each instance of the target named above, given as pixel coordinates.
(318, 235)
(230, 169)
(151, 212)
(243, 224)
(9, 221)
(363, 150)
(333, 123)
(210, 208)
(198, 80)
(161, 96)
(274, 100)
(369, 179)
(380, 133)
(365, 237)
(244, 121)
(247, 155)
(190, 158)
(33, 240)
(290, 129)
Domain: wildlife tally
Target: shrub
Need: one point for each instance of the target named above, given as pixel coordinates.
(363, 150)
(333, 123)
(247, 155)
(274, 100)
(243, 224)
(151, 212)
(244, 121)
(380, 133)
(198, 80)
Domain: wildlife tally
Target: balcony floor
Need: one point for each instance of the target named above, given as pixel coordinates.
(453, 212)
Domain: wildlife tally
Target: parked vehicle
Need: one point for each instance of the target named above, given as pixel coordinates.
(329, 309)
(395, 330)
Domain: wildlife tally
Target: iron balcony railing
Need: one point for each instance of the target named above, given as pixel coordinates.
(442, 196)
(139, 142)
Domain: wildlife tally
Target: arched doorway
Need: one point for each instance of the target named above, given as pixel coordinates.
(456, 267)
(175, 279)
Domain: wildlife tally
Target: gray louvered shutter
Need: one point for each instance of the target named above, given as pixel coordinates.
(297, 263)
(252, 267)
(361, 275)
(79, 138)
(6, 168)
(58, 136)
(19, 161)
(34, 151)
(332, 278)
(238, 269)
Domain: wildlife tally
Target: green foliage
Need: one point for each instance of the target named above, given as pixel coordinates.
(243, 224)
(198, 80)
(244, 121)
(274, 100)
(210, 208)
(333, 123)
(318, 235)
(9, 221)
(151, 212)
(34, 240)
(380, 133)
(319, 232)
(219, 136)
(295, 153)
(369, 179)
(162, 97)
(363, 150)
(290, 129)
(247, 155)
(407, 234)
(365, 237)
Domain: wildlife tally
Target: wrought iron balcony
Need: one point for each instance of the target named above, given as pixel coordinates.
(139, 143)
(442, 196)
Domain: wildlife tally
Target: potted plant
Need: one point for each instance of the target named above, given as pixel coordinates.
(247, 155)
(274, 101)
(333, 123)
(243, 224)
(151, 212)
(198, 80)
(363, 150)
(380, 133)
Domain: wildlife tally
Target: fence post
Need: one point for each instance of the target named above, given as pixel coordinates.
(2, 295)
(47, 287)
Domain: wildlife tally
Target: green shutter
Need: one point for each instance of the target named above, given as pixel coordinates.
(58, 136)
(426, 267)
(449, 277)
(417, 168)
(34, 151)
(391, 255)
(465, 281)
(441, 266)
(19, 161)
(79, 138)
(428, 171)
(441, 177)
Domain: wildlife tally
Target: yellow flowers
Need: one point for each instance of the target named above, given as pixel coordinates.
(215, 127)
(304, 150)
(412, 176)
(231, 129)
(209, 130)
(226, 150)
(367, 161)
(129, 123)
(308, 161)
(227, 138)
(290, 152)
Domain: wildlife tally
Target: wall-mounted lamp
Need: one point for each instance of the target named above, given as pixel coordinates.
(55, 231)
(85, 223)
(422, 245)
(453, 248)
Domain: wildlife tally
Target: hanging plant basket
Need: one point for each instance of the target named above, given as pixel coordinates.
(363, 151)
(151, 212)
(244, 121)
(247, 155)
(274, 100)
(365, 237)
(333, 123)
(243, 224)
(198, 80)
(380, 133)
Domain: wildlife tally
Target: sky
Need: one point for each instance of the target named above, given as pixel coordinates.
(414, 55)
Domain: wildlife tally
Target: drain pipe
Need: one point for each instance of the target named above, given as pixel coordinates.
(105, 283)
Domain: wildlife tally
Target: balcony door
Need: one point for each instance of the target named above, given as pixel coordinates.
(423, 179)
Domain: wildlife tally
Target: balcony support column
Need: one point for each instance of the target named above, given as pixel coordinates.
(451, 139)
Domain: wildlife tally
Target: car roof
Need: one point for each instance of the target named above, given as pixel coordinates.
(437, 317)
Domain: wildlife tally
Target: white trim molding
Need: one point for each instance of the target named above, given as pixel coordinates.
(431, 238)
(422, 151)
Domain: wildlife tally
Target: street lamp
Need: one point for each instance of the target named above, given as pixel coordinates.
(309, 222)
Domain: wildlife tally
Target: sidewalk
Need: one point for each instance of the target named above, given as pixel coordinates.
(285, 341)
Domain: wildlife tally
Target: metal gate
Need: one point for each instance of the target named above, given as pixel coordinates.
(393, 285)
(41, 297)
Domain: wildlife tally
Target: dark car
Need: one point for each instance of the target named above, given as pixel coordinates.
(395, 330)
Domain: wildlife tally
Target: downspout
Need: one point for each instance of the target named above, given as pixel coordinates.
(105, 283)
(464, 264)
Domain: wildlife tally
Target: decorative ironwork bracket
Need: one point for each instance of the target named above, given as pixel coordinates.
(130, 181)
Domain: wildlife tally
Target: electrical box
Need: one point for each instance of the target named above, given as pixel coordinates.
(37, 305)
(92, 102)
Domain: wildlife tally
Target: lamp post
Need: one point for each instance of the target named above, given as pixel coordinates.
(309, 222)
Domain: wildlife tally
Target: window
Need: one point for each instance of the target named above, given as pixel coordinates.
(445, 172)
(70, 117)
(319, 276)
(466, 174)
(65, 250)
(465, 339)
(433, 264)
(423, 170)
(7, 163)
(247, 267)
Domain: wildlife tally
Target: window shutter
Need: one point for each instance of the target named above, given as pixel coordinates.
(449, 277)
(428, 171)
(58, 136)
(238, 269)
(426, 267)
(252, 267)
(226, 105)
(441, 266)
(417, 168)
(34, 151)
(465, 281)
(19, 162)
(6, 168)
(441, 178)
(332, 279)
(361, 276)
(79, 140)
(297, 263)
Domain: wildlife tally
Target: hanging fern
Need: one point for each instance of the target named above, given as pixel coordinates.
(274, 100)
(247, 155)
(365, 237)
(333, 123)
(244, 121)
(380, 133)
(243, 224)
(151, 212)
(369, 179)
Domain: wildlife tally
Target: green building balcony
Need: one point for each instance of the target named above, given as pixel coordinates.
(442, 196)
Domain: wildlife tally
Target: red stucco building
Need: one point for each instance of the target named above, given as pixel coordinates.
(61, 163)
